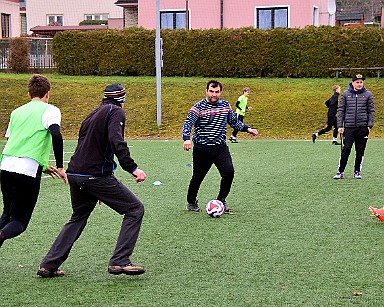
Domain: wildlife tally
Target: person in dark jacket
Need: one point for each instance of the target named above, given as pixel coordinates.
(332, 104)
(356, 115)
(91, 179)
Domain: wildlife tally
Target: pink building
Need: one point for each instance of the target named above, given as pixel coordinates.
(19, 16)
(69, 12)
(203, 14)
(10, 18)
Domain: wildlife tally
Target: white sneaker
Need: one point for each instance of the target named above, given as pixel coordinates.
(338, 175)
(357, 175)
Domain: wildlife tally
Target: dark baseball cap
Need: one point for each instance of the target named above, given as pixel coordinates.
(357, 77)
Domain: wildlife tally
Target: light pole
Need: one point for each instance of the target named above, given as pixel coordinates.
(158, 60)
(186, 16)
(372, 17)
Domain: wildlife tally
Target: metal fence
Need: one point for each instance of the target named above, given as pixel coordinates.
(4, 53)
(40, 53)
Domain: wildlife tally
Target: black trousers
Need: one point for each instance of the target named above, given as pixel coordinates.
(332, 122)
(85, 192)
(20, 193)
(359, 137)
(203, 159)
(240, 118)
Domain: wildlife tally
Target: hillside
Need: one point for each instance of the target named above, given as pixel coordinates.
(282, 108)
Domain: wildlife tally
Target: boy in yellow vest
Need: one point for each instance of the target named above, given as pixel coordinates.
(33, 129)
(241, 107)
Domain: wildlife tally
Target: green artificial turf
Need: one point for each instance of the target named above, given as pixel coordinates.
(296, 238)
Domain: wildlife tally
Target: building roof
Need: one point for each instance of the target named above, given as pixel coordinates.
(340, 16)
(52, 30)
(125, 3)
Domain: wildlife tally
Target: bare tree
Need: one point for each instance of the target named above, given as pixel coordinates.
(370, 8)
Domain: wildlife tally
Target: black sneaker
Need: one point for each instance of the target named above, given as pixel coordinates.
(129, 269)
(193, 207)
(233, 139)
(2, 237)
(226, 208)
(314, 138)
(45, 273)
(335, 143)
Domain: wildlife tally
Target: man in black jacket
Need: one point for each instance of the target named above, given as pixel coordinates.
(91, 179)
(331, 104)
(356, 115)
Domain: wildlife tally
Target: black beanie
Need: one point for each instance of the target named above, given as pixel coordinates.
(115, 92)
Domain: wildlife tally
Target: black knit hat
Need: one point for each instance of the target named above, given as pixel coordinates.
(357, 77)
(116, 92)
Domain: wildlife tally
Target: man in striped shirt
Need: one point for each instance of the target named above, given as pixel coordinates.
(209, 118)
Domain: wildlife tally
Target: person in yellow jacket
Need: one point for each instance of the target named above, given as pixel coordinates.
(241, 107)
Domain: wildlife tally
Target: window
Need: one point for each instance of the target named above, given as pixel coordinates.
(23, 21)
(270, 18)
(22, 4)
(55, 20)
(5, 25)
(172, 20)
(96, 17)
(316, 15)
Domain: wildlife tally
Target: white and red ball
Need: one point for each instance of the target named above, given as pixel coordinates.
(214, 208)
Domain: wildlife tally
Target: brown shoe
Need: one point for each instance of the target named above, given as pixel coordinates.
(43, 272)
(129, 269)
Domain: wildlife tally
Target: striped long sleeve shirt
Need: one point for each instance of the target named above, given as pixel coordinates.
(210, 122)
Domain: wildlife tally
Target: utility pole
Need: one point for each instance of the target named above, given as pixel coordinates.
(158, 60)
(372, 16)
(186, 15)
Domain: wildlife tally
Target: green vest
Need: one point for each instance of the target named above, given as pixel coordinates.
(243, 100)
(28, 138)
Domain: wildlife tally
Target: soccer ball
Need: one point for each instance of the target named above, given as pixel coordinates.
(214, 208)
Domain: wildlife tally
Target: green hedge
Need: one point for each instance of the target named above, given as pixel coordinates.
(93, 22)
(105, 52)
(18, 61)
(245, 52)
